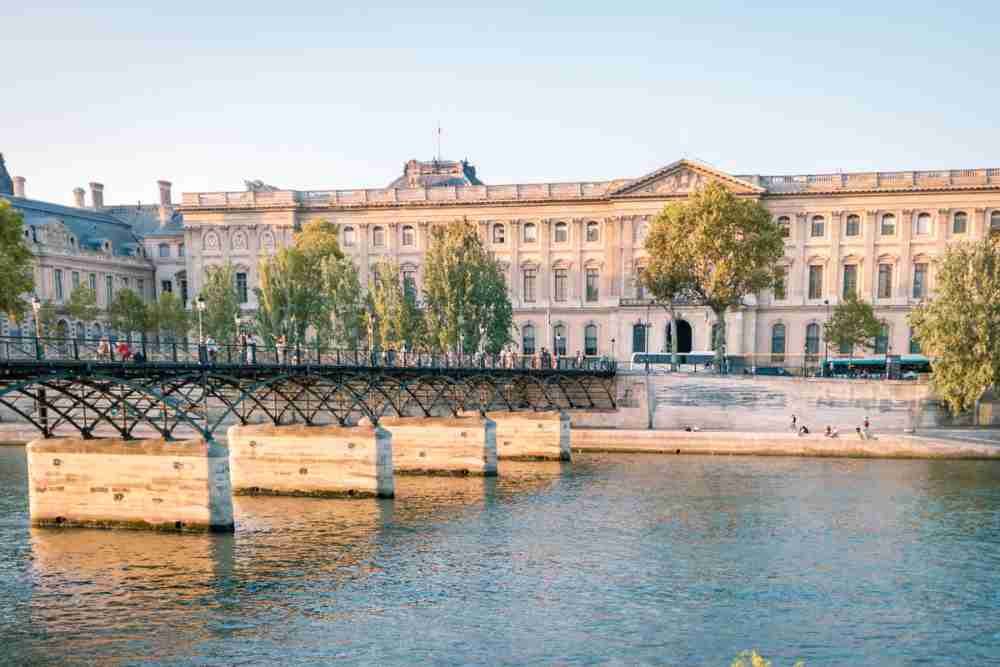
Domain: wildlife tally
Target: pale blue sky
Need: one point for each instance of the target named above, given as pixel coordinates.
(326, 95)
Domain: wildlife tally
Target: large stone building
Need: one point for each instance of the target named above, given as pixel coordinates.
(572, 251)
(105, 248)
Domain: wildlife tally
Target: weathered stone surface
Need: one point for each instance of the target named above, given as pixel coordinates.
(296, 460)
(153, 484)
(778, 444)
(443, 445)
(537, 436)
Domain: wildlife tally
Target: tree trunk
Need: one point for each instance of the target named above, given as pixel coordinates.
(720, 341)
(673, 336)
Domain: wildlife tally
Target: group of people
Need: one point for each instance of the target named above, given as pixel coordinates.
(122, 351)
(864, 432)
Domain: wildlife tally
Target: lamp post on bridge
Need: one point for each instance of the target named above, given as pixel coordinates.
(199, 305)
(36, 308)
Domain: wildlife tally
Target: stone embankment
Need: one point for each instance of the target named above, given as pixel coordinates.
(888, 446)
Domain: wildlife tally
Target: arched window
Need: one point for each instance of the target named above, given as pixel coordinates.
(163, 250)
(640, 287)
(562, 232)
(559, 340)
(593, 232)
(378, 237)
(853, 227)
(348, 236)
(778, 343)
(922, 226)
(590, 340)
(498, 233)
(528, 339)
(530, 232)
(995, 222)
(716, 335)
(960, 223)
(818, 226)
(408, 235)
(882, 341)
(812, 339)
(785, 224)
(888, 225)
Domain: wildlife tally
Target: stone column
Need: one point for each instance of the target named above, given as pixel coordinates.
(393, 239)
(836, 280)
(609, 268)
(578, 232)
(545, 277)
(944, 226)
(978, 224)
(628, 241)
(868, 281)
(515, 262)
(799, 283)
(902, 287)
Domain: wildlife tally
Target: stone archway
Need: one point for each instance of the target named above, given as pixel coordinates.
(684, 337)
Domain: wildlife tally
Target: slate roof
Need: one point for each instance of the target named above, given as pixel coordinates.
(145, 220)
(436, 173)
(90, 227)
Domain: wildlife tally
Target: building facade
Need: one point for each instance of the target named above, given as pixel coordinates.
(572, 251)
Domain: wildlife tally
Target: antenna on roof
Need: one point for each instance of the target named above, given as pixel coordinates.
(439, 142)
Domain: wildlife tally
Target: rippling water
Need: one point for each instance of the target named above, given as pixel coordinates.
(669, 560)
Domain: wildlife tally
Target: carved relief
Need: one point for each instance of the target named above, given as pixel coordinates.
(211, 243)
(239, 241)
(267, 242)
(684, 181)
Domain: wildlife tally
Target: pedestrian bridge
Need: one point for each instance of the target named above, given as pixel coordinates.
(173, 390)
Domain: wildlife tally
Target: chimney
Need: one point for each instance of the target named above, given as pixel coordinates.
(97, 195)
(19, 186)
(78, 197)
(166, 206)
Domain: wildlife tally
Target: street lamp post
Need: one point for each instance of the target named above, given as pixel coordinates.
(461, 337)
(199, 305)
(36, 308)
(826, 339)
(805, 357)
(612, 349)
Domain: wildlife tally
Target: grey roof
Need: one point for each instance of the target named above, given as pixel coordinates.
(436, 173)
(6, 184)
(90, 227)
(145, 220)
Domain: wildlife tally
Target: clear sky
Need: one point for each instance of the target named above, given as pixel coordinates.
(325, 95)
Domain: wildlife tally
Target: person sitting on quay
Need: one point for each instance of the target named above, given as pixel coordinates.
(803, 430)
(831, 432)
(861, 435)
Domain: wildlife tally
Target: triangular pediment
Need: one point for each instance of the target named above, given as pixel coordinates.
(682, 178)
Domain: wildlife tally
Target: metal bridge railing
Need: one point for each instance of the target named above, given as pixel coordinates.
(30, 348)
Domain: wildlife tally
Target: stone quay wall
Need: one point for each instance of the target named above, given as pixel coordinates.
(181, 485)
(324, 461)
(751, 403)
(532, 436)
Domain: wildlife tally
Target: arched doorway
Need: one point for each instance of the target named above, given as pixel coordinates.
(683, 337)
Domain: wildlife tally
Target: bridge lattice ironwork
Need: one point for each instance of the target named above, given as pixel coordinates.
(60, 386)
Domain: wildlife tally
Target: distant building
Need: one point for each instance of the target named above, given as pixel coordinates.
(572, 251)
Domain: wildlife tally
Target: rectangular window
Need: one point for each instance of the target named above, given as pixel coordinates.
(884, 281)
(410, 283)
(180, 250)
(593, 280)
(640, 287)
(818, 226)
(109, 289)
(76, 279)
(815, 282)
(590, 340)
(530, 275)
(241, 287)
(919, 281)
(780, 292)
(850, 280)
(92, 278)
(853, 226)
(560, 281)
(888, 225)
(140, 287)
(125, 282)
(166, 287)
(58, 283)
(562, 232)
(530, 232)
(164, 250)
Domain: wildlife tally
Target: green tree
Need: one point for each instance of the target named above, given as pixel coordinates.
(169, 317)
(959, 329)
(16, 275)
(343, 322)
(318, 240)
(399, 322)
(82, 304)
(852, 324)
(669, 284)
(221, 303)
(47, 319)
(128, 313)
(465, 293)
(727, 246)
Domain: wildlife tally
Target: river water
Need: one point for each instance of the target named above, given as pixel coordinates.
(627, 560)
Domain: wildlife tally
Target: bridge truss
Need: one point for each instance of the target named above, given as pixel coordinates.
(176, 400)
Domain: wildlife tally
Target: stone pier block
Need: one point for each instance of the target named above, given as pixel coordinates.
(324, 461)
(532, 436)
(443, 445)
(152, 484)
